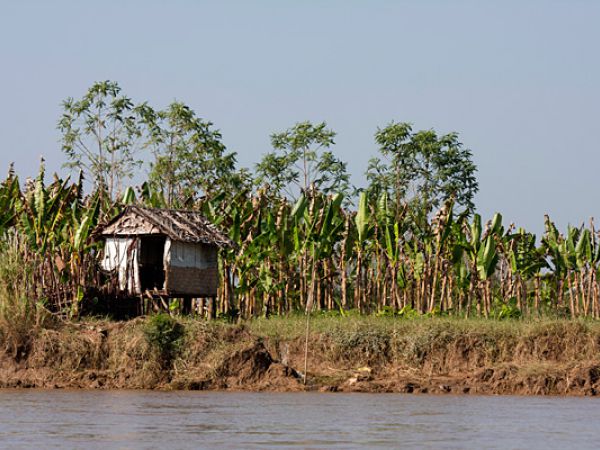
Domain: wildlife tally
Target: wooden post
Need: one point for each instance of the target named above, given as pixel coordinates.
(202, 305)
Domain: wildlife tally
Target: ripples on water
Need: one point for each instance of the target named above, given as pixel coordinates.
(186, 420)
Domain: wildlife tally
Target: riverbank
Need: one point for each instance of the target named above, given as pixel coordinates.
(345, 354)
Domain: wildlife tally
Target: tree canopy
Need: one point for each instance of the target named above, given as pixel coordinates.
(422, 169)
(107, 136)
(301, 161)
(190, 158)
(103, 133)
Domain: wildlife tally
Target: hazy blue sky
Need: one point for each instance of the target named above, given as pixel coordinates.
(517, 80)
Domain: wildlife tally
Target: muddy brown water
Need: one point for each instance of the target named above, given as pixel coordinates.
(189, 420)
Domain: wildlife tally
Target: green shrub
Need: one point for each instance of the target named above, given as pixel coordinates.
(507, 310)
(408, 312)
(164, 334)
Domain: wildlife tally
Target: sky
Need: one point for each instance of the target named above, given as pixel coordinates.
(518, 80)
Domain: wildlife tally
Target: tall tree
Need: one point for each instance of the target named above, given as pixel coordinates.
(190, 158)
(422, 169)
(301, 161)
(102, 134)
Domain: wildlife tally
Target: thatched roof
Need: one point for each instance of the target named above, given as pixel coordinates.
(179, 225)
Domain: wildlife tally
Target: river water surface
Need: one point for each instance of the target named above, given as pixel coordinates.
(186, 420)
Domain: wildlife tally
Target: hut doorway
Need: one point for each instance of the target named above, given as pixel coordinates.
(152, 270)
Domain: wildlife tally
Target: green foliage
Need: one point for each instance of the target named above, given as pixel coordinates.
(487, 258)
(436, 312)
(408, 312)
(362, 218)
(164, 334)
(190, 158)
(391, 255)
(525, 259)
(102, 134)
(301, 162)
(386, 311)
(508, 310)
(434, 168)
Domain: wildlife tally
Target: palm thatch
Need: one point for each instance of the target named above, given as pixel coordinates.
(179, 225)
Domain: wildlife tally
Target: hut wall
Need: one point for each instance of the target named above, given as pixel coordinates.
(121, 256)
(191, 269)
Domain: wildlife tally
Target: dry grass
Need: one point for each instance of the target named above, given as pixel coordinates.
(20, 319)
(437, 342)
(119, 353)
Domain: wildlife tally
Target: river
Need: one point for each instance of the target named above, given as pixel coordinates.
(189, 420)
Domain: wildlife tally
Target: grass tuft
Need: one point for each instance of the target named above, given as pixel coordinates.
(20, 318)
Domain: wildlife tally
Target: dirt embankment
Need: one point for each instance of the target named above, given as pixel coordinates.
(433, 356)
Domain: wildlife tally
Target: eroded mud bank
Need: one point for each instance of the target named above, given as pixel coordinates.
(425, 356)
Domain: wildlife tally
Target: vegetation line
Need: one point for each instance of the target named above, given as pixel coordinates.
(407, 244)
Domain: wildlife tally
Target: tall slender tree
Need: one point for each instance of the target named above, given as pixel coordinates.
(422, 169)
(103, 133)
(301, 161)
(190, 158)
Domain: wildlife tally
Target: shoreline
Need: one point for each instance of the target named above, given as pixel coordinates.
(360, 354)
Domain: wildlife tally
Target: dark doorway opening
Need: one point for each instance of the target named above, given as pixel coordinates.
(152, 271)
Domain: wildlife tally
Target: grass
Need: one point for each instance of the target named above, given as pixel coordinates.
(20, 318)
(294, 326)
(127, 354)
(414, 342)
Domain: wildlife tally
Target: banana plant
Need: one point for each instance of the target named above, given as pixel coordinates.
(364, 230)
(10, 194)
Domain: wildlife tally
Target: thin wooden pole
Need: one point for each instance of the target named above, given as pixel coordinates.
(306, 347)
(309, 305)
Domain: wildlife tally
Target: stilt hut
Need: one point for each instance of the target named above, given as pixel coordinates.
(162, 253)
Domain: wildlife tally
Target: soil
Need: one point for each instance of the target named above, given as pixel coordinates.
(117, 355)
